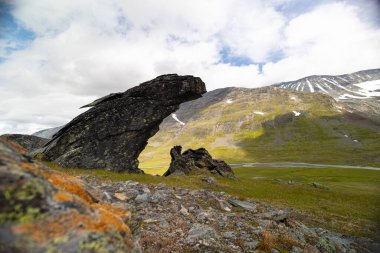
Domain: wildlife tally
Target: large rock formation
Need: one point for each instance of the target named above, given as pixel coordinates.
(200, 159)
(29, 142)
(46, 211)
(115, 130)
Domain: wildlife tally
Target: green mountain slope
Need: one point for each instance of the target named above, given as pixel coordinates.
(268, 125)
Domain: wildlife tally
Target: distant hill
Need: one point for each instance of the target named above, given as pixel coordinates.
(47, 133)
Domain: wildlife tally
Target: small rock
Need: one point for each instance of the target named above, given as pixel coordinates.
(282, 215)
(107, 195)
(151, 221)
(243, 204)
(121, 196)
(131, 183)
(142, 198)
(200, 232)
(158, 196)
(251, 245)
(183, 211)
(132, 193)
(164, 224)
(210, 180)
(318, 185)
(146, 190)
(229, 235)
(224, 205)
(296, 250)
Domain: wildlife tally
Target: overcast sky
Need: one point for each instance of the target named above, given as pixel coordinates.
(56, 56)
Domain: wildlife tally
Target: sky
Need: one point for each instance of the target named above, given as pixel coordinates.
(56, 56)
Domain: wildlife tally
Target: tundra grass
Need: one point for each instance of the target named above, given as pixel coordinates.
(351, 205)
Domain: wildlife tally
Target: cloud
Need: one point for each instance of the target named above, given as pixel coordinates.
(86, 49)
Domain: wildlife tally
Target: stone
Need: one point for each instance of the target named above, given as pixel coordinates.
(158, 196)
(142, 198)
(251, 245)
(115, 130)
(29, 142)
(229, 235)
(184, 211)
(224, 205)
(48, 211)
(243, 204)
(200, 232)
(319, 185)
(121, 196)
(210, 180)
(193, 160)
(281, 215)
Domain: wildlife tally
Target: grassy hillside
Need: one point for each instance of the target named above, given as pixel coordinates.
(351, 205)
(268, 125)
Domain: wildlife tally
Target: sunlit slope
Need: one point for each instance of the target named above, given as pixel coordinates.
(268, 125)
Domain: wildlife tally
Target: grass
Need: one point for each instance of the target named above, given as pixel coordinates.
(320, 135)
(350, 206)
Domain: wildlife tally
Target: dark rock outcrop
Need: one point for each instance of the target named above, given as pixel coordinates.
(200, 159)
(29, 142)
(115, 130)
(47, 211)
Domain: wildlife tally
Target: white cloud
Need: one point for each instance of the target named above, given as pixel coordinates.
(86, 49)
(331, 39)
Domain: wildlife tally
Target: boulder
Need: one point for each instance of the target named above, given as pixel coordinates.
(28, 142)
(114, 131)
(47, 211)
(200, 159)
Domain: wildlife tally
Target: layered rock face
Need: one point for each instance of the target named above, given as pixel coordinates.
(46, 211)
(115, 130)
(29, 142)
(200, 159)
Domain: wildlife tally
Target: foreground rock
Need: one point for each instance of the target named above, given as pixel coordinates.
(173, 219)
(115, 130)
(195, 160)
(46, 211)
(28, 142)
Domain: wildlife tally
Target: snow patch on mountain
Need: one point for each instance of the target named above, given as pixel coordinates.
(369, 85)
(174, 116)
(310, 86)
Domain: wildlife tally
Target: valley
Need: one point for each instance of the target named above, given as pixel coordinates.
(268, 125)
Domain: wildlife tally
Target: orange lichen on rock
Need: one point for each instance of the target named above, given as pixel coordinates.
(16, 147)
(63, 183)
(28, 167)
(74, 221)
(63, 196)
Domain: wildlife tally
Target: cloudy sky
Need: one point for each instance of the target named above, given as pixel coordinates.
(58, 55)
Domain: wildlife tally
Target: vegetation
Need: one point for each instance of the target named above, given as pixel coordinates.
(350, 205)
(236, 133)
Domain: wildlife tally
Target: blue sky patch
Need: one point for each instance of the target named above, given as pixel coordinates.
(234, 60)
(16, 35)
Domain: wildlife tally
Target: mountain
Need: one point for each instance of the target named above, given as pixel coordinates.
(47, 133)
(316, 119)
(277, 124)
(360, 90)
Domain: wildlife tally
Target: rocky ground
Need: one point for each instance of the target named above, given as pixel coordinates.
(167, 219)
